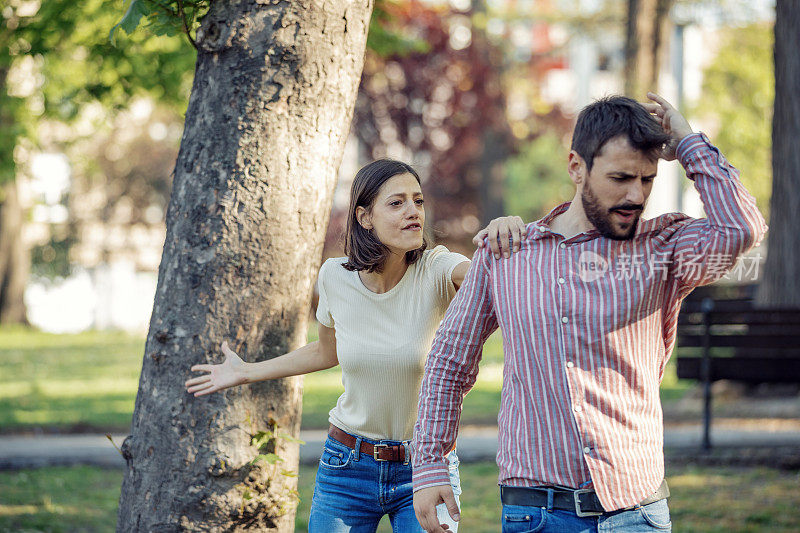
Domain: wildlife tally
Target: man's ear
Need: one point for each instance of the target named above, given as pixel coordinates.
(363, 217)
(576, 167)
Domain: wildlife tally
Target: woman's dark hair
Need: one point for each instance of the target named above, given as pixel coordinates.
(363, 249)
(615, 116)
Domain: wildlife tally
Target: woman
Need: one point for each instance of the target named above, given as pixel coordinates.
(378, 310)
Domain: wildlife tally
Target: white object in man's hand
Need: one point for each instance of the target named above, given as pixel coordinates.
(425, 502)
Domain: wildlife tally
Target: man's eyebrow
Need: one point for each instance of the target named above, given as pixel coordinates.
(627, 176)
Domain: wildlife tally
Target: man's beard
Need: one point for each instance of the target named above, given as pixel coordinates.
(601, 218)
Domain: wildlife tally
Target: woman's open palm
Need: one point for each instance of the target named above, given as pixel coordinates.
(222, 376)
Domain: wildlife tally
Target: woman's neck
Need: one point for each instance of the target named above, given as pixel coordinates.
(393, 271)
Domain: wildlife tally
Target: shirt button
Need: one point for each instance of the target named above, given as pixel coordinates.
(564, 319)
(562, 245)
(561, 280)
(587, 450)
(570, 364)
(577, 408)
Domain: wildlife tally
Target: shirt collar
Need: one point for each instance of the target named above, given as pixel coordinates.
(541, 228)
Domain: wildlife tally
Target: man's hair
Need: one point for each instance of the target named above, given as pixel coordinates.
(615, 116)
(363, 249)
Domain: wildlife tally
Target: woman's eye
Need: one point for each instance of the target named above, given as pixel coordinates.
(420, 201)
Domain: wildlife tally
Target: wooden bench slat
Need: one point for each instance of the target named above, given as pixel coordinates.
(744, 369)
(767, 318)
(744, 341)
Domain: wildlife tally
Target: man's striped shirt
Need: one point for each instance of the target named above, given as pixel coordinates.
(588, 325)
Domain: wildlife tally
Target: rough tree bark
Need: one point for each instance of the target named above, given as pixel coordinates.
(269, 112)
(780, 285)
(14, 259)
(645, 43)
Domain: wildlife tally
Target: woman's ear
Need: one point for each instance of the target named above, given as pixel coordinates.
(363, 218)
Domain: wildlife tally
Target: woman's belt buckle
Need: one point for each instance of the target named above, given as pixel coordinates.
(375, 451)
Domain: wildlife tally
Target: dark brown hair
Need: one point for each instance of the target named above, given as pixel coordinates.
(363, 249)
(615, 116)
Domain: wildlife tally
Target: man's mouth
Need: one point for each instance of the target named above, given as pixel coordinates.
(627, 215)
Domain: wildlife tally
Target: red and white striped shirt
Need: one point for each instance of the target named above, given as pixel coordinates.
(588, 325)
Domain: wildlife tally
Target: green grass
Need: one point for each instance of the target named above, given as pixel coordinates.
(88, 381)
(704, 499)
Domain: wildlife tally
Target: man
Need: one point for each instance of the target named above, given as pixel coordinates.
(588, 310)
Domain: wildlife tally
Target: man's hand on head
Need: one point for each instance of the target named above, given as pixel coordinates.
(671, 120)
(425, 502)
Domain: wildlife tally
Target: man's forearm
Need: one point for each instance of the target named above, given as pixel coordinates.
(728, 205)
(450, 372)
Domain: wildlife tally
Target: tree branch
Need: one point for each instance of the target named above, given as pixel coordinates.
(185, 25)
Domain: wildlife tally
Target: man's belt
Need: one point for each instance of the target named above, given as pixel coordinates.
(583, 501)
(379, 452)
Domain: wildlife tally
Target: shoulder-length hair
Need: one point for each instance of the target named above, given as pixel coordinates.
(363, 249)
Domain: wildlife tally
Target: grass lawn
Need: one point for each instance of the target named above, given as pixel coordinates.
(88, 382)
(705, 499)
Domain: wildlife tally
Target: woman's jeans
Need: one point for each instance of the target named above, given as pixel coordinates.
(353, 491)
(649, 518)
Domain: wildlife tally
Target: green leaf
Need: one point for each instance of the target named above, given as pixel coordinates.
(288, 473)
(130, 20)
(262, 439)
(270, 458)
(285, 436)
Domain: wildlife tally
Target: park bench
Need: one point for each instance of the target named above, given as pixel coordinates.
(722, 335)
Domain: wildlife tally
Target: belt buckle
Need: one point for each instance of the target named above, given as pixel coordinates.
(577, 498)
(375, 451)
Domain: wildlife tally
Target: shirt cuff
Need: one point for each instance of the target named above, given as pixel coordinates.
(690, 146)
(430, 475)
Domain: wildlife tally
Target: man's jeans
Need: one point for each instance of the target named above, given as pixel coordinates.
(353, 491)
(648, 518)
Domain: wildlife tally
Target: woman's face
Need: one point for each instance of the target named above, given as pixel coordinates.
(397, 216)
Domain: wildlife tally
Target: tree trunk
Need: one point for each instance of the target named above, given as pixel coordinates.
(270, 109)
(14, 259)
(780, 285)
(645, 43)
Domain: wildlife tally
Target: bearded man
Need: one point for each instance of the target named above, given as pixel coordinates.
(588, 310)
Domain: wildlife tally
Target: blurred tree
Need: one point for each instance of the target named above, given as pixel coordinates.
(738, 95)
(647, 29)
(537, 177)
(59, 57)
(268, 115)
(781, 282)
(443, 108)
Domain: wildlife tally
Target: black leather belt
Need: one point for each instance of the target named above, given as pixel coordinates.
(583, 501)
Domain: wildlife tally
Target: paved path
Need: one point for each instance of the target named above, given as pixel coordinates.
(474, 444)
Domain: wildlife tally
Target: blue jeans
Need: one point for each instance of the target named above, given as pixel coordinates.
(524, 519)
(353, 491)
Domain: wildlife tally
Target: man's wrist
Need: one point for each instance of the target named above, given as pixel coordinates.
(430, 475)
(689, 145)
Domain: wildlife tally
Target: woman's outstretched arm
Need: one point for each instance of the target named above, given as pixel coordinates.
(233, 371)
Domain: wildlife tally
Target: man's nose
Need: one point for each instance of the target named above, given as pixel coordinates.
(635, 192)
